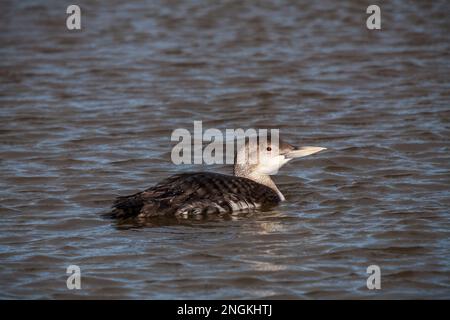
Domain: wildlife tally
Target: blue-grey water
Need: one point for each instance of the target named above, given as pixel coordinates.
(87, 116)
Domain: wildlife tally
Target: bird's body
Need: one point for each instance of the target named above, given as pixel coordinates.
(197, 193)
(250, 188)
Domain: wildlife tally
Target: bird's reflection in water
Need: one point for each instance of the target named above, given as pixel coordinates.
(203, 221)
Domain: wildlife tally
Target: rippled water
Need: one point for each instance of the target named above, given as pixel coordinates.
(86, 116)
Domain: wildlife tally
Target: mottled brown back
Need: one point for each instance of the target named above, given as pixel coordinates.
(196, 193)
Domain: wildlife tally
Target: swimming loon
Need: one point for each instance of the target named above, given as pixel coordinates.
(250, 188)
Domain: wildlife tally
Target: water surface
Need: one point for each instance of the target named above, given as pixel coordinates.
(86, 116)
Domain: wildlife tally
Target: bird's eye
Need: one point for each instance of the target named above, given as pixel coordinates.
(269, 149)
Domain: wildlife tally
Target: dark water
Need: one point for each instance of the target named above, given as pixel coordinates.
(86, 116)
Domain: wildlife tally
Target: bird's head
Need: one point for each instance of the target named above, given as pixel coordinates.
(266, 155)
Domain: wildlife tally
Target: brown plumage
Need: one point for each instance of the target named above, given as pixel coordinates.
(197, 193)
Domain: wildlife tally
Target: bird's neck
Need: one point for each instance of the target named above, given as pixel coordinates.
(242, 171)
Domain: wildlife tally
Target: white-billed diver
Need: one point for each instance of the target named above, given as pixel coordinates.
(250, 188)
